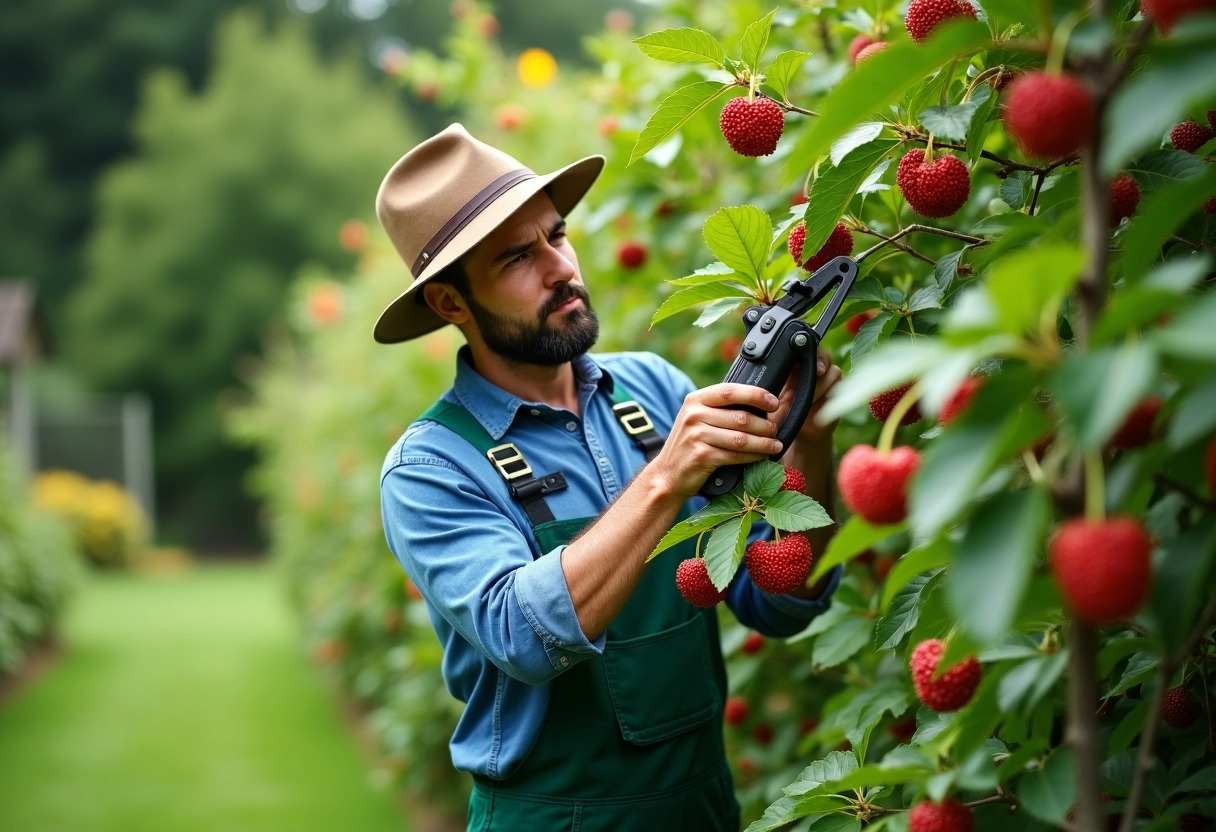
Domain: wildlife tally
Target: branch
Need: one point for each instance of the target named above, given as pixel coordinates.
(1185, 490)
(787, 106)
(1038, 186)
(1005, 163)
(928, 229)
(904, 247)
(1083, 735)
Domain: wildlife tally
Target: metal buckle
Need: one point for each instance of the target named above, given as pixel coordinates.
(632, 417)
(508, 454)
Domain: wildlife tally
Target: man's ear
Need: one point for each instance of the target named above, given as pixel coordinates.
(446, 302)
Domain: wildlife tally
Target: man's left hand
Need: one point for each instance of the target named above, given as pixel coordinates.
(811, 434)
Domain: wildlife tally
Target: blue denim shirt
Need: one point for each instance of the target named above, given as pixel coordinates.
(500, 607)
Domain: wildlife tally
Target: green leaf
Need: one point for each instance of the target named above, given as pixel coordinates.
(862, 134)
(1162, 290)
(1049, 793)
(866, 708)
(695, 296)
(710, 515)
(837, 823)
(1157, 217)
(901, 616)
(879, 82)
(1140, 668)
(1162, 168)
(833, 188)
(889, 365)
(995, 560)
(1023, 686)
(755, 40)
(763, 479)
(980, 122)
(716, 311)
(1096, 390)
(1027, 283)
(1014, 189)
(946, 268)
(1183, 581)
(1192, 333)
(1129, 729)
(673, 112)
(853, 538)
(872, 333)
(953, 122)
(925, 559)
(680, 46)
(781, 71)
(740, 237)
(1195, 417)
(793, 512)
(724, 551)
(842, 641)
(776, 816)
(831, 768)
(927, 297)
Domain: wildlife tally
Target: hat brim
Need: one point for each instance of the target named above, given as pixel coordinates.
(405, 318)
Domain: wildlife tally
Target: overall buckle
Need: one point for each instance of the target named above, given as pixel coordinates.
(632, 417)
(509, 462)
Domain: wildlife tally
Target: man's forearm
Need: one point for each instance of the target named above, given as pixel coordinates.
(815, 463)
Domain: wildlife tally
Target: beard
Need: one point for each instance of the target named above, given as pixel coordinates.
(537, 342)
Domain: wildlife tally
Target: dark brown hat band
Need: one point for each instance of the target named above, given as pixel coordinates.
(480, 202)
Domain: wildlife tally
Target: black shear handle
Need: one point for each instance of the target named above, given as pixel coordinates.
(796, 346)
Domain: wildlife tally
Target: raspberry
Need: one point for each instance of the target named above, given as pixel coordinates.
(925, 15)
(763, 733)
(692, 579)
(959, 400)
(947, 816)
(807, 724)
(855, 323)
(753, 644)
(874, 484)
(857, 44)
(752, 128)
(794, 480)
(782, 566)
(882, 405)
(936, 189)
(1137, 428)
(1003, 78)
(952, 689)
(1209, 207)
(1189, 136)
(1103, 568)
(1048, 115)
(1168, 12)
(736, 710)
(871, 50)
(838, 244)
(1209, 466)
(1179, 710)
(631, 255)
(1124, 197)
(903, 729)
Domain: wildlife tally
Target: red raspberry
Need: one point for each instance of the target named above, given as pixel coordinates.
(959, 400)
(1209, 207)
(1048, 115)
(1209, 466)
(882, 405)
(1189, 136)
(753, 644)
(794, 480)
(752, 128)
(1179, 710)
(631, 255)
(903, 729)
(1137, 428)
(807, 724)
(857, 44)
(763, 733)
(950, 690)
(1124, 197)
(1168, 12)
(855, 323)
(947, 816)
(874, 485)
(782, 566)
(871, 50)
(838, 244)
(736, 710)
(1103, 568)
(936, 189)
(925, 15)
(692, 579)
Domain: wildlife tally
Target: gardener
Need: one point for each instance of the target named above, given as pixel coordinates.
(523, 507)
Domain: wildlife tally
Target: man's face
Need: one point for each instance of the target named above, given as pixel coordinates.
(526, 296)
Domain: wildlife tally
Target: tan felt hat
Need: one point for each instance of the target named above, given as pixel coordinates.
(443, 197)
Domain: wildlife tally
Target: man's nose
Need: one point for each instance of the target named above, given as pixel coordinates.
(556, 267)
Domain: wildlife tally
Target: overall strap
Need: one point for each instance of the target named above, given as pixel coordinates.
(527, 489)
(635, 421)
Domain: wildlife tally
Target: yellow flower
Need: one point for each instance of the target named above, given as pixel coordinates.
(536, 68)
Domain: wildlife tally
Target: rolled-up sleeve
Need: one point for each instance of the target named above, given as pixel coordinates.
(477, 569)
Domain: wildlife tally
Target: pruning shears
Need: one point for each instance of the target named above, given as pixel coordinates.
(776, 341)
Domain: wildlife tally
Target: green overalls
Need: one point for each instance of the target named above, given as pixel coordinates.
(632, 740)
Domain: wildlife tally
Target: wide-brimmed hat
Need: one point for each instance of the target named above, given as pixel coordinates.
(443, 197)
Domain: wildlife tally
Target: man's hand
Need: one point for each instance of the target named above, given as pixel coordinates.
(811, 434)
(710, 431)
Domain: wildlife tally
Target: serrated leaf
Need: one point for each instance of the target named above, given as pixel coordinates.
(755, 40)
(682, 46)
(716, 311)
(872, 333)
(835, 766)
(720, 509)
(1158, 215)
(695, 296)
(902, 614)
(1013, 191)
(783, 69)
(853, 538)
(834, 187)
(1049, 793)
(724, 551)
(889, 365)
(866, 709)
(763, 479)
(842, 642)
(927, 559)
(952, 122)
(946, 268)
(872, 183)
(1160, 168)
(673, 112)
(862, 134)
(740, 237)
(793, 512)
(776, 816)
(927, 297)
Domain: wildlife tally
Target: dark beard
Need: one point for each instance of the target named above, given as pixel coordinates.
(539, 343)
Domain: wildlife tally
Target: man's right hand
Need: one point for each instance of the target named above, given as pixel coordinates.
(710, 431)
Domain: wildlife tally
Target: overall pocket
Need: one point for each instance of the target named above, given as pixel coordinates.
(662, 684)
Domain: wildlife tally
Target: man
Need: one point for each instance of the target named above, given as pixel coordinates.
(523, 506)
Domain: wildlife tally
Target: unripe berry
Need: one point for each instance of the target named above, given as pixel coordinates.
(871, 50)
(857, 44)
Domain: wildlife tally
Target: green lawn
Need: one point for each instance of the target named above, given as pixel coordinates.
(183, 704)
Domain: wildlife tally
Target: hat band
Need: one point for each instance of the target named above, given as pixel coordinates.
(480, 202)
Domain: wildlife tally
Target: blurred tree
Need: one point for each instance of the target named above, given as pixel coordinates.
(230, 192)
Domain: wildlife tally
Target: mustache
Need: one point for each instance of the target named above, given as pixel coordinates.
(565, 293)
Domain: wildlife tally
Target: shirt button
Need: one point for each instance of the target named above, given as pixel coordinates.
(535, 412)
(572, 426)
(604, 461)
(563, 661)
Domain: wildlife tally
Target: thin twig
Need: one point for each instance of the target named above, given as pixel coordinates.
(1083, 736)
(1038, 186)
(1185, 490)
(787, 106)
(914, 227)
(904, 247)
(1006, 164)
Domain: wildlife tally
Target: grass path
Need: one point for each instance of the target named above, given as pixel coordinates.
(183, 704)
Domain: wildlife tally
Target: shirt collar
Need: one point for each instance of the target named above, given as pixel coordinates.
(496, 409)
